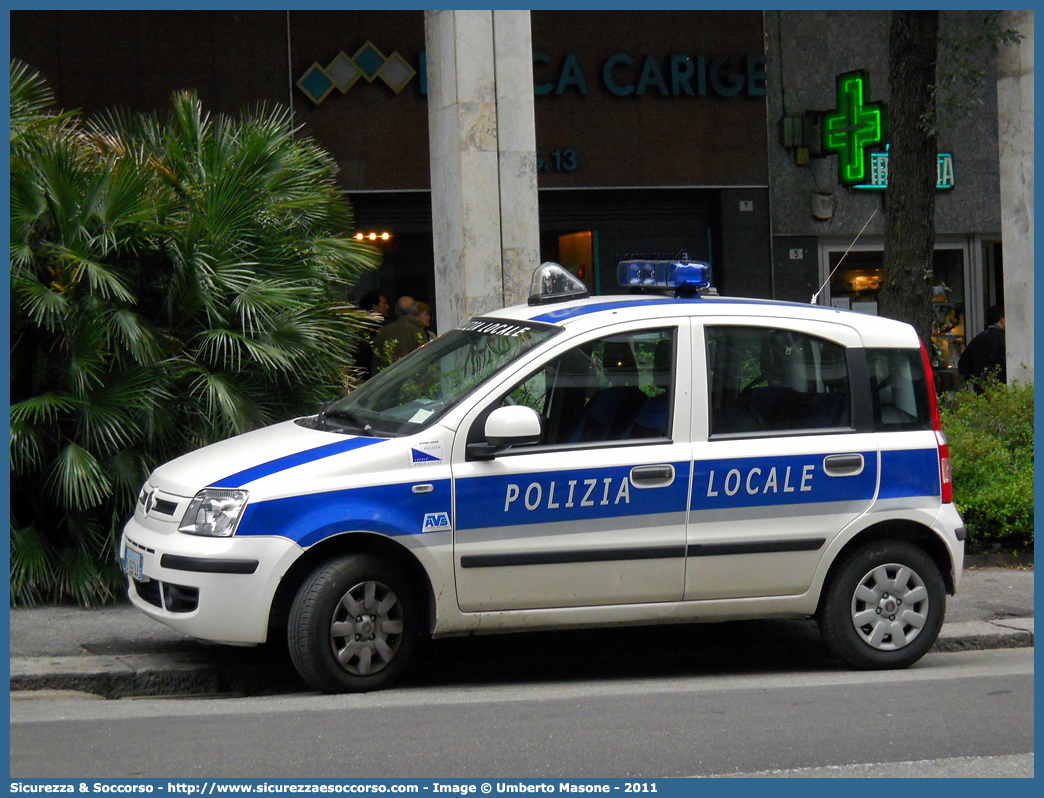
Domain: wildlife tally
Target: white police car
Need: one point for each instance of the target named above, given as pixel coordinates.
(624, 459)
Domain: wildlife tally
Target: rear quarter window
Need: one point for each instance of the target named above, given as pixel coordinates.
(898, 390)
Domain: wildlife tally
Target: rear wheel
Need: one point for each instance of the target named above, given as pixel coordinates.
(353, 625)
(885, 606)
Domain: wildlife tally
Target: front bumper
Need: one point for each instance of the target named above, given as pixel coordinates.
(218, 589)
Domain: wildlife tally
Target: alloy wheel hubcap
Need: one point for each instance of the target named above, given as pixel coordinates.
(366, 628)
(890, 607)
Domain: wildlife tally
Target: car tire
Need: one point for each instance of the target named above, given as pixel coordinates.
(884, 607)
(353, 625)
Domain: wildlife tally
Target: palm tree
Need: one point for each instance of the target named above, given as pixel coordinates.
(255, 257)
(174, 281)
(79, 352)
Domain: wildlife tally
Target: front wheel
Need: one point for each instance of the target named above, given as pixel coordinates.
(352, 626)
(885, 606)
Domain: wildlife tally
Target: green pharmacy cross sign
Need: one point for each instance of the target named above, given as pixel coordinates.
(854, 127)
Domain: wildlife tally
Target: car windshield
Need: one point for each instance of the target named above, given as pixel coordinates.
(416, 391)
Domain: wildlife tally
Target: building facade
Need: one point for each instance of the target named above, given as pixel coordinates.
(828, 237)
(656, 134)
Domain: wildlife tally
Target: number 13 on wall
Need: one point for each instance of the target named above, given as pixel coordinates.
(561, 160)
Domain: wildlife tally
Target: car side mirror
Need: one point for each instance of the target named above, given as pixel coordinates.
(513, 425)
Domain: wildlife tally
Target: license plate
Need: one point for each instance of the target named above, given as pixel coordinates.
(132, 564)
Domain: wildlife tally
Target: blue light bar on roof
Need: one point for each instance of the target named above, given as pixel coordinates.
(686, 277)
(642, 274)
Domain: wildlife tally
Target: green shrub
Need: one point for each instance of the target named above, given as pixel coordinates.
(991, 453)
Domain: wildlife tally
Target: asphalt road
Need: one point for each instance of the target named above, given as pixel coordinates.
(972, 709)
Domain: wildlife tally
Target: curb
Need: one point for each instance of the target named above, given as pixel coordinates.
(983, 635)
(996, 559)
(154, 675)
(117, 677)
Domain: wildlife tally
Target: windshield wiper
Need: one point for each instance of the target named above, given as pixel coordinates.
(326, 412)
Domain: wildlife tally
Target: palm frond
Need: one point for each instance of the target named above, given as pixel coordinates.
(347, 251)
(47, 306)
(87, 364)
(27, 448)
(229, 409)
(100, 277)
(189, 127)
(30, 566)
(90, 532)
(161, 410)
(77, 481)
(31, 102)
(132, 333)
(230, 273)
(22, 255)
(128, 470)
(229, 350)
(28, 205)
(63, 170)
(261, 302)
(105, 424)
(43, 410)
(128, 199)
(77, 578)
(31, 95)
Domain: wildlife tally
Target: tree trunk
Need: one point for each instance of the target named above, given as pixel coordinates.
(906, 290)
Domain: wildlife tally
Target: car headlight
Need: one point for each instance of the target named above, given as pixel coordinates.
(214, 512)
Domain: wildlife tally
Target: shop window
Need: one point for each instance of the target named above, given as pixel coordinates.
(948, 327)
(857, 283)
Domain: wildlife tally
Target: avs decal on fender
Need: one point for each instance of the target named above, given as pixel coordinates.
(436, 522)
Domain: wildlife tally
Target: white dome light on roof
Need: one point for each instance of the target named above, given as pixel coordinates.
(554, 283)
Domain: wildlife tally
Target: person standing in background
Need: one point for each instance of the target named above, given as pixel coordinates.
(400, 337)
(986, 353)
(375, 303)
(422, 312)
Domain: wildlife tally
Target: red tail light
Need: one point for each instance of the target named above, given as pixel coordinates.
(945, 476)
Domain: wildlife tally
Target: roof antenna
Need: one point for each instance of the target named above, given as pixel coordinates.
(815, 296)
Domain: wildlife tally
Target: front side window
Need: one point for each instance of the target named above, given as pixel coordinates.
(770, 380)
(414, 392)
(611, 389)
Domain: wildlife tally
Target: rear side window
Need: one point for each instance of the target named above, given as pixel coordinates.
(898, 390)
(767, 380)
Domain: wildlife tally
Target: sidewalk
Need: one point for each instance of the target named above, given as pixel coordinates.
(119, 652)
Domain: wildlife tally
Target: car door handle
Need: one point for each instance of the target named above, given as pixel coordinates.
(652, 476)
(843, 465)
